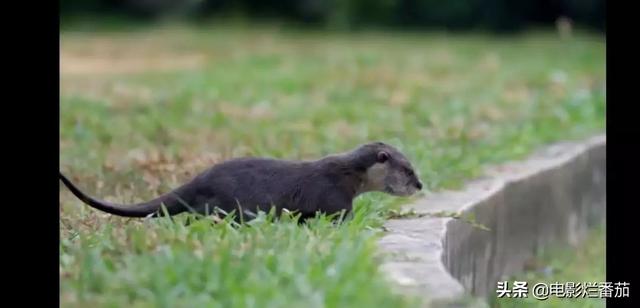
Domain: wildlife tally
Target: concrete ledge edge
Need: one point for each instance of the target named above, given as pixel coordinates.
(554, 196)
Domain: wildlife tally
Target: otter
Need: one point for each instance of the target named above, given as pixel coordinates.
(248, 185)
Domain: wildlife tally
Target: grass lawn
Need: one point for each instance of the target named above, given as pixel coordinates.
(144, 111)
(585, 264)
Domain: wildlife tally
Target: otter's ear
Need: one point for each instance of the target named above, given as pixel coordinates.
(383, 156)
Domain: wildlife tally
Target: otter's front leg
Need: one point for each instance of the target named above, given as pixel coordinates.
(336, 204)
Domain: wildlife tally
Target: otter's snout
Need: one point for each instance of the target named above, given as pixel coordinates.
(419, 185)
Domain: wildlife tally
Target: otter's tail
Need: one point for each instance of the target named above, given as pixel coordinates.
(153, 208)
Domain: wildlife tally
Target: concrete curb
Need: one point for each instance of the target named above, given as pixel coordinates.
(554, 197)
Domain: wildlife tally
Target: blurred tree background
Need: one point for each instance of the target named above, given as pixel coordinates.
(488, 15)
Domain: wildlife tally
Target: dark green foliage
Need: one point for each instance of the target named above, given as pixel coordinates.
(493, 15)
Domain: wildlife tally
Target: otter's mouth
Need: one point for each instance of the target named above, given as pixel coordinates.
(404, 193)
(389, 190)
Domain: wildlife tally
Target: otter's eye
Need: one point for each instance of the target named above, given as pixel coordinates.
(408, 171)
(383, 157)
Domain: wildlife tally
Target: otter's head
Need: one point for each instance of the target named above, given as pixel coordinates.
(386, 170)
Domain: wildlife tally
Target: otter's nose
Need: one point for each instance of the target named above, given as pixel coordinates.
(419, 185)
